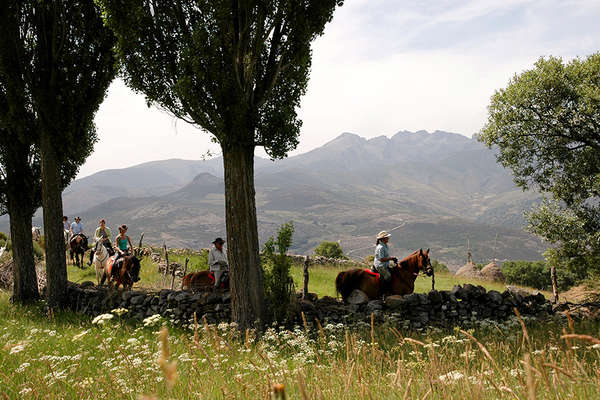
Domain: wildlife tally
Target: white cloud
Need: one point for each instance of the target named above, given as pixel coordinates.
(383, 66)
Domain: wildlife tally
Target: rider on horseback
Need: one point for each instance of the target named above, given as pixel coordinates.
(217, 261)
(381, 262)
(101, 236)
(77, 228)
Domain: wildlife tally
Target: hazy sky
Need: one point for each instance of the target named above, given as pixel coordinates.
(381, 66)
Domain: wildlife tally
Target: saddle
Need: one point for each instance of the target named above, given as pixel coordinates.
(111, 263)
(224, 279)
(373, 273)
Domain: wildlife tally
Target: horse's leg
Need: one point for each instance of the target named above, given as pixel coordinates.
(103, 277)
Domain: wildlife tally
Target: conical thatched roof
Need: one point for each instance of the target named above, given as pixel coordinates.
(469, 270)
(492, 272)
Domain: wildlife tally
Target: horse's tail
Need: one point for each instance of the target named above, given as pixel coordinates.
(347, 281)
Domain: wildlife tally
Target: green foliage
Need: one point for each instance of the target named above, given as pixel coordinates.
(479, 266)
(3, 237)
(49, 51)
(38, 251)
(330, 250)
(545, 124)
(536, 274)
(279, 286)
(369, 259)
(439, 266)
(235, 69)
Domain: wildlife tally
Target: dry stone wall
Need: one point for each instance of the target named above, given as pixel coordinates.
(460, 306)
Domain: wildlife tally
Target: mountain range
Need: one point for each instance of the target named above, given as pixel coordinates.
(432, 189)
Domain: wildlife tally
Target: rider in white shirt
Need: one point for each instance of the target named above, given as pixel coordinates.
(77, 227)
(217, 261)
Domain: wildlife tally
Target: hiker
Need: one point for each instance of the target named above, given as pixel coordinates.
(381, 262)
(217, 261)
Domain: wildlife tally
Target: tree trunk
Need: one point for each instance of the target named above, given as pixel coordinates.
(25, 285)
(554, 285)
(56, 267)
(247, 292)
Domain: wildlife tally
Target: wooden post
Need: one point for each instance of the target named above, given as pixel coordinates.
(433, 280)
(554, 285)
(166, 258)
(173, 277)
(305, 288)
(184, 271)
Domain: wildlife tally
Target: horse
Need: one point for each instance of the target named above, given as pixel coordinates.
(36, 233)
(102, 257)
(125, 271)
(403, 277)
(78, 245)
(203, 281)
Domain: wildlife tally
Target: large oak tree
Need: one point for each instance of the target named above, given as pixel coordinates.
(237, 69)
(546, 125)
(62, 63)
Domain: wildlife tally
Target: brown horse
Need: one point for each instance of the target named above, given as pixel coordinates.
(126, 271)
(203, 281)
(78, 245)
(403, 277)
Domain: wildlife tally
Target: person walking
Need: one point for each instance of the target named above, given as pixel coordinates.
(217, 261)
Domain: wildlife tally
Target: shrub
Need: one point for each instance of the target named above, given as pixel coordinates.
(330, 250)
(369, 259)
(38, 252)
(536, 274)
(3, 237)
(439, 267)
(279, 286)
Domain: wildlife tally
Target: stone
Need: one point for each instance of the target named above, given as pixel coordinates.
(374, 305)
(413, 299)
(86, 284)
(181, 297)
(357, 297)
(138, 299)
(435, 297)
(495, 297)
(394, 302)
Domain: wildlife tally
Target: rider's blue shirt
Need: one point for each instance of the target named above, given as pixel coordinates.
(76, 228)
(381, 251)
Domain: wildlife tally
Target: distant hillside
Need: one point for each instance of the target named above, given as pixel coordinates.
(438, 187)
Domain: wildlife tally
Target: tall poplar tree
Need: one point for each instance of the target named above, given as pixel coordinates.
(64, 64)
(236, 69)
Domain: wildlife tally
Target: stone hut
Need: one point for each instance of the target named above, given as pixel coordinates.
(492, 272)
(469, 270)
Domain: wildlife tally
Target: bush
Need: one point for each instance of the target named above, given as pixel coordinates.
(536, 274)
(279, 286)
(439, 267)
(369, 259)
(330, 250)
(3, 237)
(38, 252)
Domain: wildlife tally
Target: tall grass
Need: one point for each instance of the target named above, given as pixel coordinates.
(70, 357)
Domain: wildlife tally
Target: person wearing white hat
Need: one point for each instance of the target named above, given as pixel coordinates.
(381, 262)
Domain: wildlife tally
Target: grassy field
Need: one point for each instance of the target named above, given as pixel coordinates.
(70, 357)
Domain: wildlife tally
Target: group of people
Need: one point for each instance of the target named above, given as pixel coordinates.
(102, 236)
(217, 257)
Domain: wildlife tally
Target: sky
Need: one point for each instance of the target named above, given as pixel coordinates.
(382, 66)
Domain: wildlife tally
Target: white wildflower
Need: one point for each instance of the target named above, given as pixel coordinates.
(102, 319)
(22, 367)
(25, 391)
(18, 348)
(119, 311)
(451, 377)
